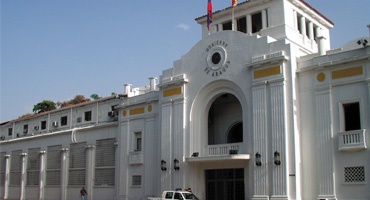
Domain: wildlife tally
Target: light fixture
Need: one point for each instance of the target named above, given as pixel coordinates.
(176, 164)
(195, 154)
(233, 151)
(163, 165)
(258, 159)
(362, 42)
(277, 158)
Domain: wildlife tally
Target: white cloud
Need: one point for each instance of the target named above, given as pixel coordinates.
(183, 26)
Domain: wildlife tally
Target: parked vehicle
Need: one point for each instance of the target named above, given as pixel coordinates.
(178, 194)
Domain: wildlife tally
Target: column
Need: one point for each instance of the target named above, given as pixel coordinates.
(264, 19)
(324, 141)
(310, 31)
(279, 141)
(90, 170)
(295, 20)
(23, 176)
(303, 25)
(260, 143)
(220, 28)
(64, 173)
(7, 173)
(249, 24)
(42, 178)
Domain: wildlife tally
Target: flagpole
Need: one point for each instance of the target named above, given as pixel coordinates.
(232, 21)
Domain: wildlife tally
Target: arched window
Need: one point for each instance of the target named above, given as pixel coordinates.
(222, 115)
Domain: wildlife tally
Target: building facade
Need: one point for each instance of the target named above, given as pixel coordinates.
(260, 108)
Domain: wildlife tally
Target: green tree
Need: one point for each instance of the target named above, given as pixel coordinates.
(45, 105)
(95, 96)
(77, 100)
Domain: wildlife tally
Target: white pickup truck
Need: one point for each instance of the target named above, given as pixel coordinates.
(183, 195)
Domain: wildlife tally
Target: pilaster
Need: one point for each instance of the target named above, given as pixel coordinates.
(324, 141)
(278, 131)
(166, 147)
(7, 176)
(64, 173)
(90, 166)
(42, 178)
(260, 142)
(23, 176)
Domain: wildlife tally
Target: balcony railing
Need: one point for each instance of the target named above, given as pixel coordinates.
(136, 158)
(352, 140)
(222, 149)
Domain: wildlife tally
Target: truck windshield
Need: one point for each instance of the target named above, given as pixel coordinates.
(190, 196)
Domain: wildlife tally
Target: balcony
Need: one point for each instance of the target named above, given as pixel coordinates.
(136, 158)
(221, 152)
(352, 140)
(223, 149)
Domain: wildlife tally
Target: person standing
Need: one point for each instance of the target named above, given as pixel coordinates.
(83, 194)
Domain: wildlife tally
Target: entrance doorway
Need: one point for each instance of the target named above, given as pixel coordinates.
(225, 184)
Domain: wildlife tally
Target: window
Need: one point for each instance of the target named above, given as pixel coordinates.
(256, 22)
(242, 24)
(88, 116)
(33, 166)
(53, 165)
(10, 131)
(136, 180)
(352, 120)
(25, 128)
(16, 167)
(138, 141)
(43, 125)
(63, 121)
(169, 195)
(226, 26)
(354, 174)
(105, 162)
(177, 196)
(77, 164)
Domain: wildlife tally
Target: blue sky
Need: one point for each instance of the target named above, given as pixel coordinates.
(54, 50)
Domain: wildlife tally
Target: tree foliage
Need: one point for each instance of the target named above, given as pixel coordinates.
(77, 100)
(45, 105)
(95, 96)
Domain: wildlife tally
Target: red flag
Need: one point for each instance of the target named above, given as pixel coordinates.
(209, 13)
(234, 2)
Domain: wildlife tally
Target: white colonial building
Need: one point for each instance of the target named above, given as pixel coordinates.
(261, 108)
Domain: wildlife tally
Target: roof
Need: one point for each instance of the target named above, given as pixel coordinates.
(60, 109)
(249, 1)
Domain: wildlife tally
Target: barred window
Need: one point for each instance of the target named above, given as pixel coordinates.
(33, 166)
(15, 168)
(53, 165)
(105, 162)
(77, 164)
(354, 174)
(136, 180)
(2, 168)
